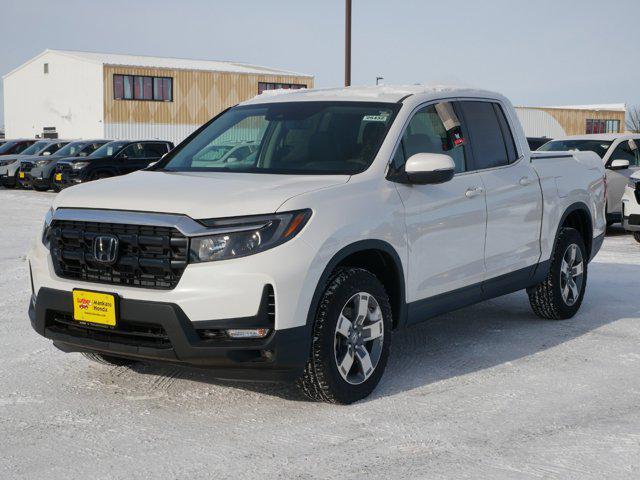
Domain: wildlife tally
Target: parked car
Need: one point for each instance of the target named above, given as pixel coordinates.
(364, 210)
(14, 147)
(38, 171)
(631, 206)
(536, 142)
(9, 174)
(112, 159)
(620, 156)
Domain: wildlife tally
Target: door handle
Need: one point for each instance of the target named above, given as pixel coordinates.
(473, 192)
(524, 181)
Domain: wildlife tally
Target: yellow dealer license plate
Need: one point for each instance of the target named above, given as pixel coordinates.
(94, 307)
(58, 177)
(21, 174)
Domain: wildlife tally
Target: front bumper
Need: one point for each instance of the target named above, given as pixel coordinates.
(158, 331)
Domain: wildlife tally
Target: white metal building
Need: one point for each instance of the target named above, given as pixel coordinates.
(98, 95)
(572, 119)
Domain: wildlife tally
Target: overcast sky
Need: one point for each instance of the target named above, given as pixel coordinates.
(542, 52)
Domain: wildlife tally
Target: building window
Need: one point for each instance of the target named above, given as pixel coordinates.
(262, 86)
(46, 68)
(603, 126)
(141, 87)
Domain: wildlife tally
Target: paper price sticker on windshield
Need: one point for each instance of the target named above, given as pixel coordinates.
(375, 118)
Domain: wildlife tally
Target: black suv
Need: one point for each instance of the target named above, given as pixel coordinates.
(112, 159)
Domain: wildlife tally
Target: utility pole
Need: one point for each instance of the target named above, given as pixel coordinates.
(347, 45)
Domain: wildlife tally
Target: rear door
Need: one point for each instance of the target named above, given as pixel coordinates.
(514, 199)
(445, 222)
(617, 179)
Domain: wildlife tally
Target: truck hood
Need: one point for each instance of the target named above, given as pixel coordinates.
(196, 194)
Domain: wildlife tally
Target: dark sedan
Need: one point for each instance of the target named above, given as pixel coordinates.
(110, 160)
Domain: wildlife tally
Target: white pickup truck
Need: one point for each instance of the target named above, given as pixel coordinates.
(361, 211)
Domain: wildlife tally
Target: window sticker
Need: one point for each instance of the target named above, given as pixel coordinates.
(632, 144)
(376, 118)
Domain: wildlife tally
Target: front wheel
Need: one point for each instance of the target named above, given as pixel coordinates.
(351, 338)
(560, 295)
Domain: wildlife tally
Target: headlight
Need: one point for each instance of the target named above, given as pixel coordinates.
(42, 163)
(244, 236)
(46, 229)
(7, 162)
(79, 165)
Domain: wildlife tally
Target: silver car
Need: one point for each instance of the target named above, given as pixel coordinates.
(9, 164)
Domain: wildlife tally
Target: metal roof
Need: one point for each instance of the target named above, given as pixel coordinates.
(166, 62)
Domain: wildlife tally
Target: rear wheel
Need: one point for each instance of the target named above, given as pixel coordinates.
(351, 339)
(107, 359)
(560, 295)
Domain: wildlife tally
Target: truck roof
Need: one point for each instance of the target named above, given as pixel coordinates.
(382, 93)
(600, 136)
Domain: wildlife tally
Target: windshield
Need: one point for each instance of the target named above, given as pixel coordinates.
(70, 149)
(108, 149)
(598, 146)
(33, 149)
(5, 147)
(289, 138)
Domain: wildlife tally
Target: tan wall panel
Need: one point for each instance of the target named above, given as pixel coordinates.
(197, 96)
(574, 122)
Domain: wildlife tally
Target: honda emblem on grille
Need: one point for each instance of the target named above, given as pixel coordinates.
(105, 249)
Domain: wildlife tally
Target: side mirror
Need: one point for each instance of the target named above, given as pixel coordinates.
(429, 168)
(619, 164)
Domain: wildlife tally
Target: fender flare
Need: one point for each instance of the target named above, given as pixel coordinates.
(578, 206)
(345, 252)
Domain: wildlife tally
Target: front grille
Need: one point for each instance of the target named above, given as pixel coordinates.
(148, 256)
(126, 333)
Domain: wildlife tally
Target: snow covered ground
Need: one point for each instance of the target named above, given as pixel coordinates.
(487, 392)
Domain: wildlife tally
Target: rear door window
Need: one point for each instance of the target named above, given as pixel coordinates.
(154, 150)
(485, 131)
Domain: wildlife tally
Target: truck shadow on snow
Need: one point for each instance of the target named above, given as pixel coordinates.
(475, 338)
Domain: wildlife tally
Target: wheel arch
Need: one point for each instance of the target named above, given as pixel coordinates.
(578, 216)
(378, 257)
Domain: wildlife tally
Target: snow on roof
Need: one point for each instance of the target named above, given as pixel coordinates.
(169, 63)
(609, 107)
(382, 93)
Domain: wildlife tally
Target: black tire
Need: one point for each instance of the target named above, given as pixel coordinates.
(55, 187)
(636, 235)
(38, 188)
(546, 298)
(321, 380)
(108, 359)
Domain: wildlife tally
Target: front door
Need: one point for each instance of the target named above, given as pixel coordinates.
(445, 222)
(617, 179)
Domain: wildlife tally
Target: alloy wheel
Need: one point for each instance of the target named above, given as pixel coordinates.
(359, 336)
(571, 274)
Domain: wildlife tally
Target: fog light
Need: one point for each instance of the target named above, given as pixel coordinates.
(248, 333)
